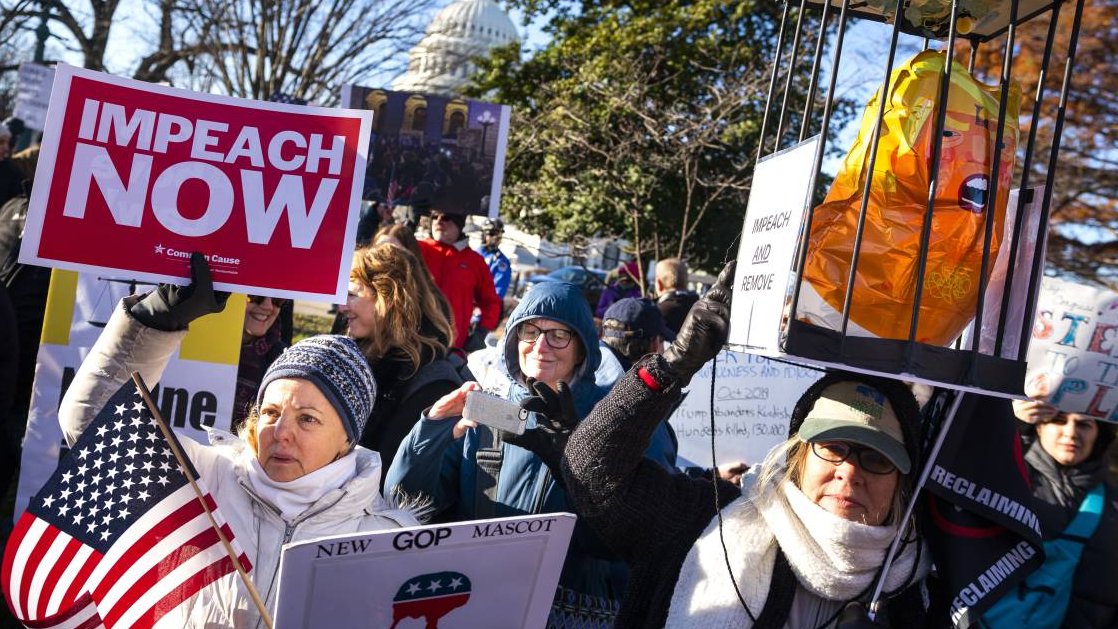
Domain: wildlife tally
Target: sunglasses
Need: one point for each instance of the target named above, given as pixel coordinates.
(557, 338)
(440, 217)
(278, 302)
(870, 460)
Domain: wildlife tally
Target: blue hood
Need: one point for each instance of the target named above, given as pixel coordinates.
(562, 302)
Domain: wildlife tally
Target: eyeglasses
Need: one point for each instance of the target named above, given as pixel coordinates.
(278, 302)
(438, 218)
(557, 338)
(870, 460)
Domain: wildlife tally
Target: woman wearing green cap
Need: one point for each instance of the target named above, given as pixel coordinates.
(803, 538)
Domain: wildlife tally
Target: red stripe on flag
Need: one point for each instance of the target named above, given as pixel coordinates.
(164, 528)
(41, 545)
(65, 558)
(14, 540)
(188, 588)
(53, 621)
(178, 556)
(81, 579)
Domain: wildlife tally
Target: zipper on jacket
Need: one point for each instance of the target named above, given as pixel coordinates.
(288, 530)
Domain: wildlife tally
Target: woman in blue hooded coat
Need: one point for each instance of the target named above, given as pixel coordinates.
(550, 337)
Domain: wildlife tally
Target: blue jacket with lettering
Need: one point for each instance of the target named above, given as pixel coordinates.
(431, 462)
(499, 268)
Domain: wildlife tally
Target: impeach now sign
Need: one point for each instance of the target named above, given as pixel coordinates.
(133, 177)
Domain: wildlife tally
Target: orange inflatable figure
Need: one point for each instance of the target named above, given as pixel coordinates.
(885, 283)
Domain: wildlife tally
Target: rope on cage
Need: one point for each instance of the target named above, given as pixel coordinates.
(714, 464)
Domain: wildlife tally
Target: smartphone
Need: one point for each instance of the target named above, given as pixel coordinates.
(495, 411)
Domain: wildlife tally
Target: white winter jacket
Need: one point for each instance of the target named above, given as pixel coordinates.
(224, 465)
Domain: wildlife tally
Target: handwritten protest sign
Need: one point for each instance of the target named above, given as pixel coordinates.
(1073, 357)
(484, 573)
(753, 401)
(777, 200)
(33, 94)
(133, 177)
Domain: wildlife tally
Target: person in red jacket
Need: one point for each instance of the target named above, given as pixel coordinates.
(461, 274)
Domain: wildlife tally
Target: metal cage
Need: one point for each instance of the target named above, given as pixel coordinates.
(991, 366)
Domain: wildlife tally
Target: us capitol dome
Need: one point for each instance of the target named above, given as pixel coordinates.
(441, 62)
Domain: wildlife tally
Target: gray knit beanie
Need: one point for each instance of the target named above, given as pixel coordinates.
(336, 366)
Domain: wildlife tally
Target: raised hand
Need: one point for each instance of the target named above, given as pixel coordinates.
(556, 420)
(171, 308)
(705, 329)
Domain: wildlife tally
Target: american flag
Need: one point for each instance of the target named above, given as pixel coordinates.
(117, 537)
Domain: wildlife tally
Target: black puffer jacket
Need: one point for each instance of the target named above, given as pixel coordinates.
(1059, 490)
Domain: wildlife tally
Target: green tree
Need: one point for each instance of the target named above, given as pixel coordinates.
(640, 119)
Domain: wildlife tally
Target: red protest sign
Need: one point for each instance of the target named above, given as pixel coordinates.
(133, 177)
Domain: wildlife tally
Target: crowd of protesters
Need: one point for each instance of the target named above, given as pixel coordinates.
(364, 430)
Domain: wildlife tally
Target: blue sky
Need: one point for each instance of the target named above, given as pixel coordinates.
(861, 70)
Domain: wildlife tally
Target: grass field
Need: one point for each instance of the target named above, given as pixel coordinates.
(308, 325)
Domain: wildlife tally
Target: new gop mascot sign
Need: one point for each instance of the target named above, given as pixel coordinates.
(133, 177)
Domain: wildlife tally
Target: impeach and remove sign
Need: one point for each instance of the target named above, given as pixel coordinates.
(133, 177)
(780, 193)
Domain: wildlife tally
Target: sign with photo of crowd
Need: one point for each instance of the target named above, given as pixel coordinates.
(434, 151)
(162, 172)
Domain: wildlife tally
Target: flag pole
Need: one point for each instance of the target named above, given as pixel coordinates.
(925, 473)
(181, 458)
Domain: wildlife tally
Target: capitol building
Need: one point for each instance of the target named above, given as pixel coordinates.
(442, 62)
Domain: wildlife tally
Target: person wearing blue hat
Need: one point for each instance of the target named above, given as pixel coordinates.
(632, 328)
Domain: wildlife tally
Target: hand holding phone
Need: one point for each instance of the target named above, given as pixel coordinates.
(496, 412)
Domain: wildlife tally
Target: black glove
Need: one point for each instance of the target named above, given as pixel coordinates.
(705, 329)
(556, 420)
(172, 308)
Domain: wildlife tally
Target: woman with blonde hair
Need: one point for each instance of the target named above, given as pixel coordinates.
(401, 322)
(399, 235)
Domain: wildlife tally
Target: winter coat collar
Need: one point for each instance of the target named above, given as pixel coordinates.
(359, 495)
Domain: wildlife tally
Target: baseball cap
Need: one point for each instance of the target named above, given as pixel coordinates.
(857, 412)
(638, 318)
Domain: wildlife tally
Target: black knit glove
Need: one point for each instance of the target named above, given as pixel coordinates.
(556, 419)
(172, 308)
(704, 331)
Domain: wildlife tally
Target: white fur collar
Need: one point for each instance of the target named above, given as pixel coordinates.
(832, 558)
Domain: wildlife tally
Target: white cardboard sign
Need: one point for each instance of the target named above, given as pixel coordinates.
(753, 400)
(484, 573)
(1073, 357)
(777, 201)
(33, 95)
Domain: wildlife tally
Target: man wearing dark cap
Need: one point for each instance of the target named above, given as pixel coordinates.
(461, 274)
(633, 328)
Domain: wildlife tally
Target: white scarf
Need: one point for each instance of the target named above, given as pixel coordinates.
(293, 497)
(832, 558)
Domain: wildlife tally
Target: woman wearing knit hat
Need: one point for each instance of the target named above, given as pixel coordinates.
(294, 472)
(800, 544)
